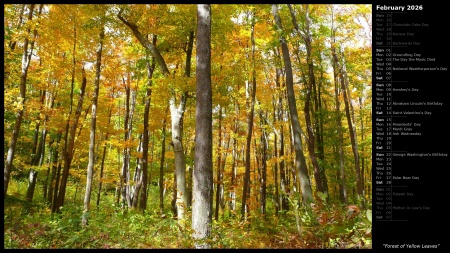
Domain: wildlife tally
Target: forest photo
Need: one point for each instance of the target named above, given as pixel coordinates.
(187, 126)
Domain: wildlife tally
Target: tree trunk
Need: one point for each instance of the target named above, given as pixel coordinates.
(257, 171)
(86, 112)
(102, 166)
(263, 179)
(318, 119)
(275, 154)
(23, 80)
(161, 168)
(69, 155)
(56, 172)
(219, 160)
(250, 104)
(284, 206)
(362, 141)
(38, 149)
(41, 156)
(174, 196)
(34, 146)
(137, 178)
(222, 184)
(343, 188)
(32, 178)
(180, 164)
(100, 183)
(52, 168)
(47, 173)
(142, 175)
(56, 205)
(232, 203)
(35, 140)
(177, 114)
(145, 43)
(145, 136)
(189, 187)
(69, 141)
(41, 149)
(149, 179)
(341, 74)
(352, 130)
(128, 119)
(203, 174)
(311, 84)
(300, 163)
(31, 185)
(311, 140)
(291, 177)
(90, 168)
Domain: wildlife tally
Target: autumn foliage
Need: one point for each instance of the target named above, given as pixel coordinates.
(143, 60)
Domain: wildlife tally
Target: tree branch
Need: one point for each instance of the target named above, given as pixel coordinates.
(146, 44)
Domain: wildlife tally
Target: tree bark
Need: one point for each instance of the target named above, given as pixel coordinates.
(38, 148)
(42, 147)
(362, 140)
(145, 135)
(275, 154)
(102, 166)
(23, 80)
(343, 188)
(161, 168)
(149, 179)
(318, 119)
(180, 164)
(31, 185)
(41, 162)
(219, 160)
(189, 187)
(90, 168)
(53, 165)
(250, 104)
(311, 86)
(68, 143)
(32, 178)
(34, 146)
(263, 179)
(284, 204)
(300, 162)
(176, 115)
(222, 184)
(59, 201)
(232, 203)
(203, 175)
(145, 43)
(137, 178)
(128, 126)
(174, 197)
(69, 154)
(352, 130)
(57, 171)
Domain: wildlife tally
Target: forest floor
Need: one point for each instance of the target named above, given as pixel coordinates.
(110, 226)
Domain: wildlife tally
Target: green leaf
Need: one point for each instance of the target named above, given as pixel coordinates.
(355, 239)
(323, 196)
(369, 215)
